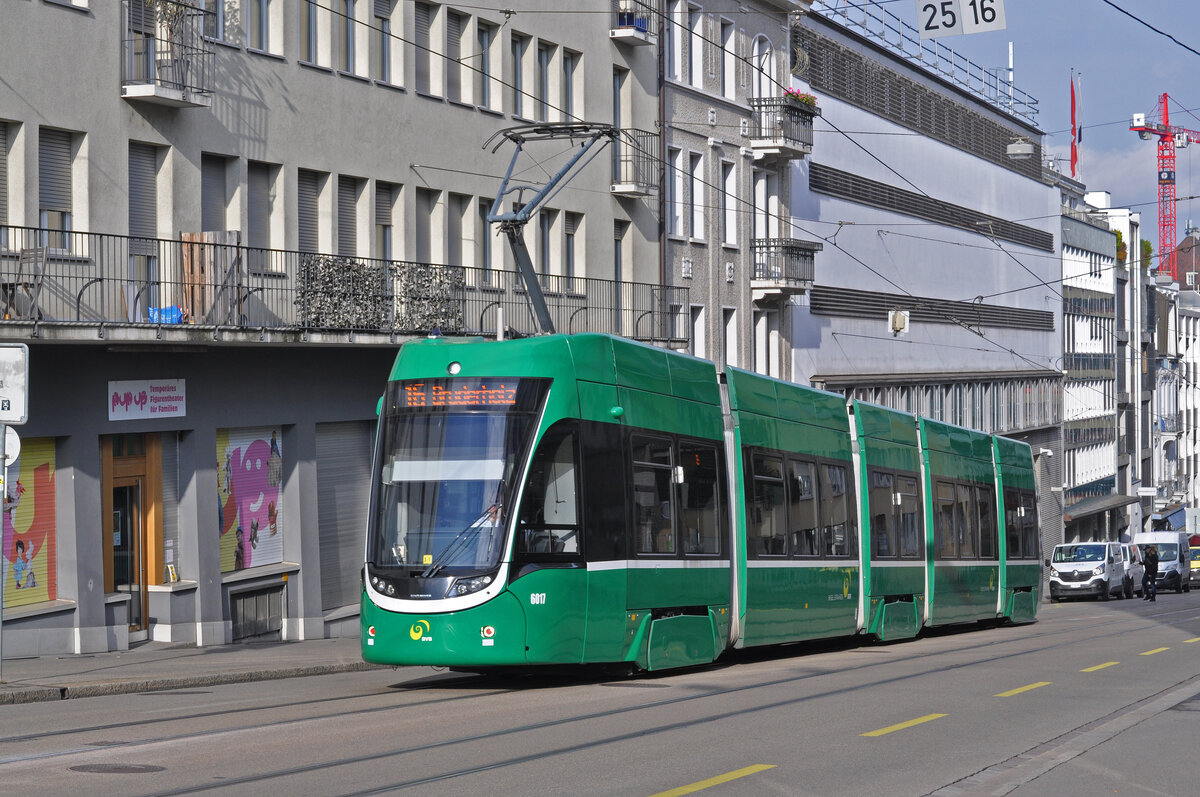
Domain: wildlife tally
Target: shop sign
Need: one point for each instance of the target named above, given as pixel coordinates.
(147, 398)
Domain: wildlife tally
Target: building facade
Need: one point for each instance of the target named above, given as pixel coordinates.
(937, 285)
(214, 256)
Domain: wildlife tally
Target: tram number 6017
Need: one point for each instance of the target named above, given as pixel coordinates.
(537, 598)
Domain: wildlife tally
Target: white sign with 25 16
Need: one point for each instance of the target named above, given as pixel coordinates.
(937, 18)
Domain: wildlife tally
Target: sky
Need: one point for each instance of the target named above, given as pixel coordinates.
(1122, 66)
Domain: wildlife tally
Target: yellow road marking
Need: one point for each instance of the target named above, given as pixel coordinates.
(1025, 688)
(1152, 652)
(1193, 639)
(715, 781)
(1100, 666)
(902, 725)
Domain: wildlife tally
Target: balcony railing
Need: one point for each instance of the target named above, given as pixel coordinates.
(635, 163)
(634, 22)
(782, 127)
(64, 280)
(783, 266)
(165, 58)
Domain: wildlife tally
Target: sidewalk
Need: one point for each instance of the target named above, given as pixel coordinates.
(153, 666)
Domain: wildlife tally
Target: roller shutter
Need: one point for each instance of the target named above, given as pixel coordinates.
(212, 193)
(54, 170)
(347, 220)
(421, 15)
(143, 191)
(3, 172)
(308, 192)
(258, 205)
(343, 491)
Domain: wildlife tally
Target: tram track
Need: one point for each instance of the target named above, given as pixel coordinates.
(1027, 643)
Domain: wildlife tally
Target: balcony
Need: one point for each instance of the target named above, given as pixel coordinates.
(165, 58)
(633, 22)
(782, 128)
(74, 286)
(782, 267)
(635, 163)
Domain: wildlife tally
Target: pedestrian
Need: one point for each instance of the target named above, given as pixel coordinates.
(1150, 559)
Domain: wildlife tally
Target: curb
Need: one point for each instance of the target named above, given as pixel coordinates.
(34, 693)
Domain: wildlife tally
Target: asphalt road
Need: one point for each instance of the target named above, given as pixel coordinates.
(1095, 698)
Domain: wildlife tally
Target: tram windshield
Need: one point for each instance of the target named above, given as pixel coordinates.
(448, 453)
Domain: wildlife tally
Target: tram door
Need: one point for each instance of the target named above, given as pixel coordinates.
(129, 551)
(131, 498)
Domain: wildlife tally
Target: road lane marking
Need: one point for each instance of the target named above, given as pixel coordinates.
(902, 725)
(1025, 688)
(1100, 666)
(714, 781)
(1193, 639)
(1152, 652)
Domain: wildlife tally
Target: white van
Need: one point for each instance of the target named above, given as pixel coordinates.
(1134, 569)
(1174, 558)
(1087, 568)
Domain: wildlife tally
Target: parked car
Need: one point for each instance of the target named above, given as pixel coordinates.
(1087, 568)
(1174, 558)
(1134, 569)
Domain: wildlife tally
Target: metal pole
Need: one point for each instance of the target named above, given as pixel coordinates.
(3, 508)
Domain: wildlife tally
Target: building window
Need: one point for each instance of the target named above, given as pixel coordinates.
(728, 60)
(697, 347)
(571, 222)
(673, 40)
(423, 20)
(55, 194)
(486, 37)
(729, 344)
(427, 224)
(347, 222)
(308, 31)
(542, 105)
(214, 192)
(763, 64)
(695, 62)
(458, 229)
(214, 20)
(347, 26)
(518, 46)
(260, 214)
(308, 210)
(545, 251)
(383, 40)
(456, 27)
(143, 227)
(257, 24)
(570, 61)
(696, 194)
(728, 205)
(483, 242)
(385, 200)
(674, 192)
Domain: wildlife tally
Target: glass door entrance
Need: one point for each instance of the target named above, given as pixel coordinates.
(129, 551)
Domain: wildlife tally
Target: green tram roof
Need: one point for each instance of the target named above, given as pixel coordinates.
(888, 437)
(764, 395)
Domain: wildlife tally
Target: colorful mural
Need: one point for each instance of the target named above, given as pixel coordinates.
(249, 478)
(30, 569)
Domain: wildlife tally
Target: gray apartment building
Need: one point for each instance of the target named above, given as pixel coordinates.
(219, 220)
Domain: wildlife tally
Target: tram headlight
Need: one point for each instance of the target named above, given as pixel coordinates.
(465, 586)
(383, 586)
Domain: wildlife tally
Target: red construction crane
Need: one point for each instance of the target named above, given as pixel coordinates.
(1170, 138)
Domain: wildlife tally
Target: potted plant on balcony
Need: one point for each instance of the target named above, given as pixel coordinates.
(800, 97)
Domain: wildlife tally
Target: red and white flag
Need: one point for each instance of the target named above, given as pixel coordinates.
(1074, 128)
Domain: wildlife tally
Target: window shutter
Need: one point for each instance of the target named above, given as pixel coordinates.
(343, 493)
(308, 191)
(212, 193)
(143, 191)
(258, 205)
(383, 9)
(54, 170)
(571, 223)
(383, 204)
(421, 18)
(347, 222)
(3, 172)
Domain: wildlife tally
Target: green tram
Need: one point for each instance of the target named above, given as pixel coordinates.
(587, 499)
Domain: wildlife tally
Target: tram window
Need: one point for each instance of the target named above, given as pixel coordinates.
(654, 525)
(985, 503)
(881, 504)
(943, 522)
(699, 499)
(836, 527)
(766, 518)
(1029, 525)
(803, 510)
(549, 517)
(1012, 525)
(911, 537)
(964, 522)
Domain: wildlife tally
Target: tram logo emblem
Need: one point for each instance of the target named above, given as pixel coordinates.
(487, 632)
(420, 630)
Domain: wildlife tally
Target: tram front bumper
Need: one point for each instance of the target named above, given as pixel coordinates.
(489, 635)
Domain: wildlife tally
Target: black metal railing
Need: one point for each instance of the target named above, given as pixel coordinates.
(785, 260)
(164, 45)
(783, 122)
(210, 279)
(636, 161)
(637, 15)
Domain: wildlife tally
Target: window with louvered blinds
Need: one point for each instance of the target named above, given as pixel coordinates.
(308, 193)
(347, 216)
(3, 172)
(143, 190)
(212, 193)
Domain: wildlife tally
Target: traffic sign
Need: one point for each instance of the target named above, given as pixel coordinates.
(14, 383)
